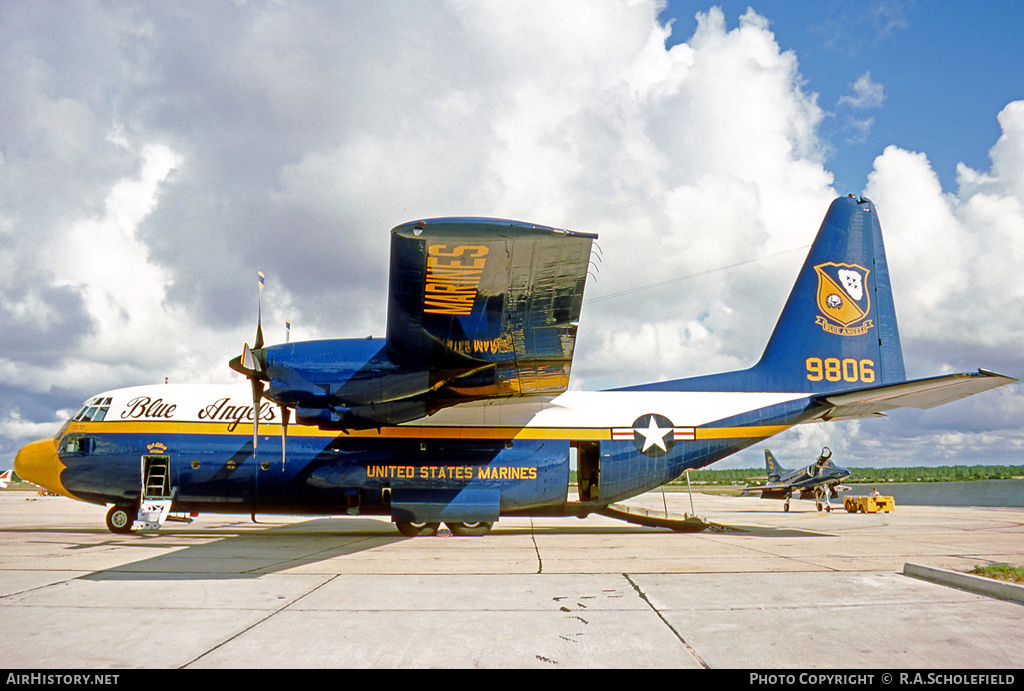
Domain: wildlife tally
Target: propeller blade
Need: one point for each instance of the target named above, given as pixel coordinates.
(286, 413)
(257, 396)
(248, 359)
(259, 313)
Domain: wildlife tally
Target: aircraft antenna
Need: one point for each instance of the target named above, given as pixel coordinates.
(659, 284)
(595, 255)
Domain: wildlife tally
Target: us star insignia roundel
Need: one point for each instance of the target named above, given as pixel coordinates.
(653, 435)
(843, 299)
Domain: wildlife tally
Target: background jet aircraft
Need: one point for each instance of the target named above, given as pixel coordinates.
(818, 481)
(462, 415)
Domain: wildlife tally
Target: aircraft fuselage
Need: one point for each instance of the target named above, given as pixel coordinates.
(507, 458)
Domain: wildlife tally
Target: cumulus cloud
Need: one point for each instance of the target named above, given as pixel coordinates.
(154, 158)
(867, 93)
(955, 261)
(958, 254)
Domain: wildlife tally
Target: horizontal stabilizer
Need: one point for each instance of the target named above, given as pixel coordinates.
(919, 393)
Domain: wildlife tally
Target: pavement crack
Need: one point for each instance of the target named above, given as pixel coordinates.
(258, 622)
(536, 548)
(665, 621)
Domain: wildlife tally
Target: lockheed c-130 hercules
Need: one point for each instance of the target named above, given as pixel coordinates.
(461, 414)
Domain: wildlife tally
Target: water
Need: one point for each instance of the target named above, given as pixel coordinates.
(976, 493)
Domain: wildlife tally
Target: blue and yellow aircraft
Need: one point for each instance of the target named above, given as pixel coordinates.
(461, 414)
(818, 481)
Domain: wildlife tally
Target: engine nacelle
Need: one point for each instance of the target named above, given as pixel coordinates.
(354, 384)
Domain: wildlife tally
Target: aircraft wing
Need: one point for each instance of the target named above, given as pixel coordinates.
(782, 487)
(776, 491)
(919, 393)
(497, 300)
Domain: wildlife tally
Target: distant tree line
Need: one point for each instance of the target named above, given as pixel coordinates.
(955, 473)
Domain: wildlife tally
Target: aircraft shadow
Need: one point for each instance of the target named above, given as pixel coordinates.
(242, 553)
(250, 553)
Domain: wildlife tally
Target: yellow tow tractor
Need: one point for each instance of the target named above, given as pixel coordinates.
(869, 504)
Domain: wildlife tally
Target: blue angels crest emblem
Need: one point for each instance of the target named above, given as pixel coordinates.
(844, 300)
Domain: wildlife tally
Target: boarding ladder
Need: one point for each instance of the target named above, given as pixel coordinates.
(156, 493)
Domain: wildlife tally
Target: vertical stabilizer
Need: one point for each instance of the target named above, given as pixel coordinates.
(838, 328)
(772, 468)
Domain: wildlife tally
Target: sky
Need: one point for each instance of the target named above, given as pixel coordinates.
(154, 156)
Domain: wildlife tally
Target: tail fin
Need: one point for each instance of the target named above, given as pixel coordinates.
(772, 468)
(839, 324)
(5, 478)
(838, 329)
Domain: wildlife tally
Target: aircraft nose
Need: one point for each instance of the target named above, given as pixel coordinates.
(39, 464)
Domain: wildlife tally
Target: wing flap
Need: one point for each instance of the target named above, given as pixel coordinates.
(919, 393)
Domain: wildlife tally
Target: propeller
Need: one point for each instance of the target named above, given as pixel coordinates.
(252, 364)
(249, 363)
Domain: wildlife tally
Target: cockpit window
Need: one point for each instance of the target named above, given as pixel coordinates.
(94, 411)
(77, 445)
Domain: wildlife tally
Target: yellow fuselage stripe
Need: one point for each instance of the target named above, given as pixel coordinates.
(758, 431)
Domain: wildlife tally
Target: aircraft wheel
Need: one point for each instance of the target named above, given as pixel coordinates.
(828, 508)
(785, 507)
(470, 529)
(818, 505)
(417, 529)
(120, 519)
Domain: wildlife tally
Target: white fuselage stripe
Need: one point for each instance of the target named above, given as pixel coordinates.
(574, 409)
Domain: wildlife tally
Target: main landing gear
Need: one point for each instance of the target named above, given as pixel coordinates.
(461, 529)
(822, 500)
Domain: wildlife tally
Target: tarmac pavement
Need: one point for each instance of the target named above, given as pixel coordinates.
(772, 590)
